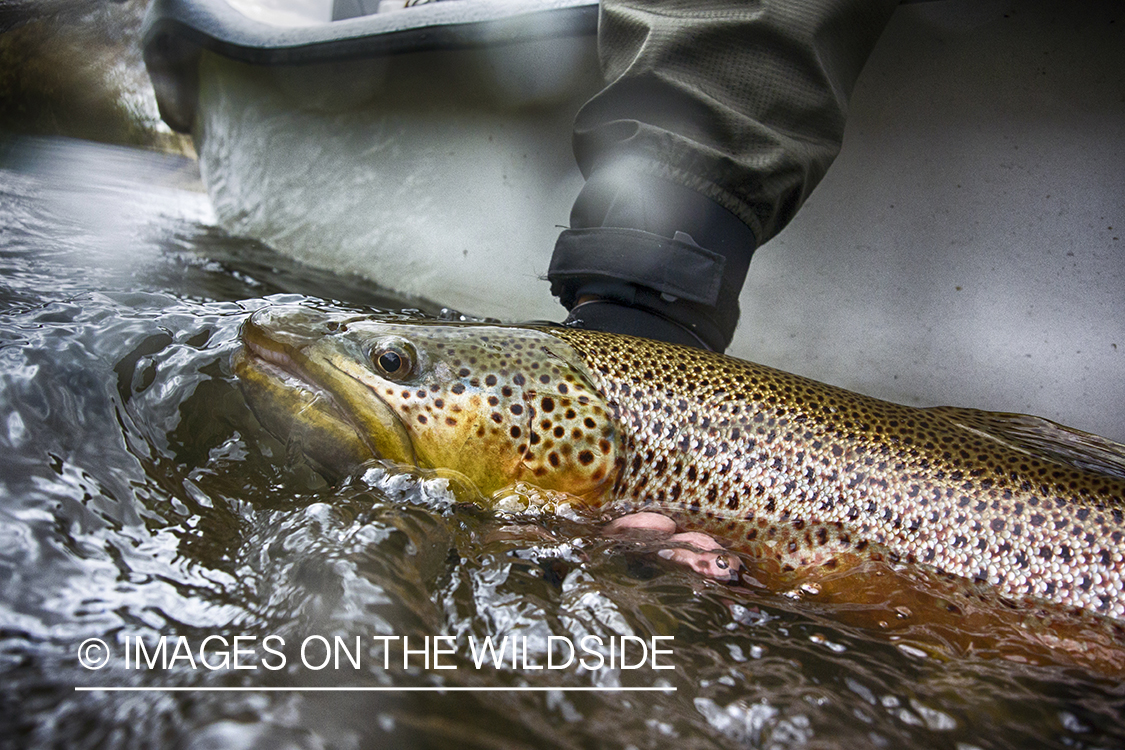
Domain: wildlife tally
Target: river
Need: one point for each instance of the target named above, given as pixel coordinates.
(141, 503)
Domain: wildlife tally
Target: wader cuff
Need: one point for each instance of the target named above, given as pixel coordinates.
(674, 279)
(607, 315)
(657, 246)
(677, 267)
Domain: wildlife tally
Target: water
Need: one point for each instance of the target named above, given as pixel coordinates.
(139, 499)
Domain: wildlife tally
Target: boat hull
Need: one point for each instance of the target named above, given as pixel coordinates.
(441, 174)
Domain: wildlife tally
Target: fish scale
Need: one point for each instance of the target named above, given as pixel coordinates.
(759, 454)
(776, 464)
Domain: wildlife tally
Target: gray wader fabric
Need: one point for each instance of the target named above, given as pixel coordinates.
(742, 103)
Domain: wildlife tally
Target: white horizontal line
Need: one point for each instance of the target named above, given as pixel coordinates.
(456, 689)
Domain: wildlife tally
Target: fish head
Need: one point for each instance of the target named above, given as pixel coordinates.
(495, 404)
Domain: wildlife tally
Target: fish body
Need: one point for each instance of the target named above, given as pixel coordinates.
(775, 463)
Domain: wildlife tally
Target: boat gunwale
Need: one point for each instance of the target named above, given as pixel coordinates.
(216, 26)
(175, 33)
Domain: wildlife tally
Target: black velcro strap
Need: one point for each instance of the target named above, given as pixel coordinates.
(677, 267)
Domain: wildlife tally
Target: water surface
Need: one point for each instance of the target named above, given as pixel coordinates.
(139, 498)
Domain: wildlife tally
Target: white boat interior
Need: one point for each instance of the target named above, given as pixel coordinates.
(967, 247)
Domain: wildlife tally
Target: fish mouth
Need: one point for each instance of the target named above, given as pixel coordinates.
(303, 397)
(255, 362)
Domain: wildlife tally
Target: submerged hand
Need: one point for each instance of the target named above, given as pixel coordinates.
(700, 552)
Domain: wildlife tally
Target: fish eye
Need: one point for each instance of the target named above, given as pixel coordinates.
(394, 360)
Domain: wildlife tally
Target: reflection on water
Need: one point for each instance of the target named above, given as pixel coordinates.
(139, 499)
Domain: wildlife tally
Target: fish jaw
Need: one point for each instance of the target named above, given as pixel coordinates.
(299, 393)
(497, 405)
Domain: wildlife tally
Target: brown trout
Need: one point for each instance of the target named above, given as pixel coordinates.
(776, 464)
